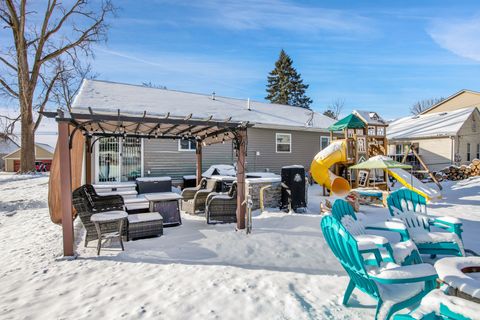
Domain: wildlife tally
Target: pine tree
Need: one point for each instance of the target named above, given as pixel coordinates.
(285, 84)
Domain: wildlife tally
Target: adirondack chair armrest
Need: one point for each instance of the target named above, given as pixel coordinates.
(448, 223)
(394, 226)
(406, 274)
(368, 247)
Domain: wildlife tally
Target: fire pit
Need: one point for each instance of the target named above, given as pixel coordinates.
(461, 275)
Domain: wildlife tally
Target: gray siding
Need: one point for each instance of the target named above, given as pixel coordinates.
(162, 158)
(305, 145)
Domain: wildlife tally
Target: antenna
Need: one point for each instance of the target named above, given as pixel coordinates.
(248, 105)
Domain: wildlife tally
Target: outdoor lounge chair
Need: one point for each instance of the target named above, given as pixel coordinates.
(194, 198)
(403, 252)
(86, 204)
(222, 207)
(394, 287)
(411, 208)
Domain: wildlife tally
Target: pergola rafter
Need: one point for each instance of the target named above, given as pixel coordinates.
(114, 123)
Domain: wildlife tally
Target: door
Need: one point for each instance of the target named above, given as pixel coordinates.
(118, 159)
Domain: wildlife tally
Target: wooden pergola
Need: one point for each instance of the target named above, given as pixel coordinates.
(95, 124)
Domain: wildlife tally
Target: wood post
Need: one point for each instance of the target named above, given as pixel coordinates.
(66, 187)
(241, 167)
(88, 160)
(198, 153)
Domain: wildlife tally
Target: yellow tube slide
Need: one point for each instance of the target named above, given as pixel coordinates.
(319, 169)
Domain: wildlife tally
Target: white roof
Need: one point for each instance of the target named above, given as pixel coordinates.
(429, 125)
(134, 99)
(369, 117)
(46, 147)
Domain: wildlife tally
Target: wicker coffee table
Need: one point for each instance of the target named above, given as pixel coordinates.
(108, 217)
(166, 203)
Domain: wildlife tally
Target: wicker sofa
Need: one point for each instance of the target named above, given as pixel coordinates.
(222, 207)
(194, 198)
(87, 202)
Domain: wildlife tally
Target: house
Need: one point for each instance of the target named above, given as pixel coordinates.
(281, 135)
(43, 158)
(440, 138)
(7, 145)
(460, 100)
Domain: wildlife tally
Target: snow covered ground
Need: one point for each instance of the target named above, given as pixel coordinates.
(283, 270)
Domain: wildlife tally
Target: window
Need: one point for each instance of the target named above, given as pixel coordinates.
(350, 133)
(284, 142)
(324, 142)
(398, 149)
(380, 131)
(468, 152)
(371, 131)
(186, 145)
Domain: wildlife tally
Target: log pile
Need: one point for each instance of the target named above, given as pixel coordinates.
(461, 172)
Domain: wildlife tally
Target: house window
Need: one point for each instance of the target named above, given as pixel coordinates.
(371, 131)
(380, 131)
(186, 145)
(398, 149)
(468, 152)
(324, 142)
(284, 142)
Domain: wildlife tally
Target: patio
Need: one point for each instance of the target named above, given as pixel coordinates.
(79, 130)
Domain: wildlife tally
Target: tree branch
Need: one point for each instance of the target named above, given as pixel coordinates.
(8, 88)
(45, 98)
(8, 64)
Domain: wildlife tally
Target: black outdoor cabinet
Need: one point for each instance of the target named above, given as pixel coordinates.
(293, 181)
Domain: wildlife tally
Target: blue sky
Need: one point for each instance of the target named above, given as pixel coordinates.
(377, 55)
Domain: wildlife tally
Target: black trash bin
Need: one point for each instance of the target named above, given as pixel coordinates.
(293, 187)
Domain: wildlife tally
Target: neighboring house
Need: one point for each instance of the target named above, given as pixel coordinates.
(43, 158)
(7, 145)
(460, 100)
(441, 138)
(281, 135)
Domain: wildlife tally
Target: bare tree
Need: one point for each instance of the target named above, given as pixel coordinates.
(150, 84)
(47, 40)
(334, 109)
(424, 104)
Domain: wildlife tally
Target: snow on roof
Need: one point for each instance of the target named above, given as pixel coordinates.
(45, 147)
(429, 125)
(109, 96)
(7, 144)
(369, 117)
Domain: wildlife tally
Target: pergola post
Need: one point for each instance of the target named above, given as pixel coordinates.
(88, 160)
(198, 153)
(241, 163)
(66, 187)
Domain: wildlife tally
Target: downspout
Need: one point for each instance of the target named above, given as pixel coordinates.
(452, 160)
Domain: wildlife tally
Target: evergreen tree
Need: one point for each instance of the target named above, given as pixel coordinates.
(285, 84)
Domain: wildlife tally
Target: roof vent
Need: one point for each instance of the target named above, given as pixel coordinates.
(249, 107)
(213, 95)
(443, 113)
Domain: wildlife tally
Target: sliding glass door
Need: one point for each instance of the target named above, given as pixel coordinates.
(118, 159)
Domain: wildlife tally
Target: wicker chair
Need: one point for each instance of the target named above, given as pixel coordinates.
(86, 204)
(194, 198)
(222, 207)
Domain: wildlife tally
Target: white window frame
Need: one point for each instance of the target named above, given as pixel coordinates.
(276, 142)
(191, 143)
(120, 149)
(328, 141)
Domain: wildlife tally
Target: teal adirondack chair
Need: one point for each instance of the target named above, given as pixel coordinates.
(393, 293)
(411, 209)
(403, 252)
(438, 309)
